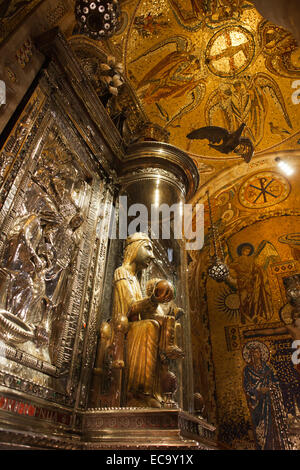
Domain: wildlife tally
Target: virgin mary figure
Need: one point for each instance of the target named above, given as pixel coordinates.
(145, 327)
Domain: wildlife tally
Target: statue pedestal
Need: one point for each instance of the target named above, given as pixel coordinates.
(138, 428)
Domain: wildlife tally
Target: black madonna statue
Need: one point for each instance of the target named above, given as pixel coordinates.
(140, 338)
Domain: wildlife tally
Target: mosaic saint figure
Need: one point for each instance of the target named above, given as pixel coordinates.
(264, 399)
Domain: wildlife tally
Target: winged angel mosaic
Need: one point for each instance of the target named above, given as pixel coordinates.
(191, 14)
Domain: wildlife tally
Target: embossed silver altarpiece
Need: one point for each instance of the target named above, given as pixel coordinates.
(63, 163)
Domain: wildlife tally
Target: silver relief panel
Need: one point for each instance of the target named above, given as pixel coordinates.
(49, 251)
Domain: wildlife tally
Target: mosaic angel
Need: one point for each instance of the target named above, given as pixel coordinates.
(173, 76)
(213, 11)
(264, 399)
(249, 274)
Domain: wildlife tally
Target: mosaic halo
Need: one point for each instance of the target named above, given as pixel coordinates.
(265, 353)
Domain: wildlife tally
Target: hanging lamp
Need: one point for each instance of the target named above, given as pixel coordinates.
(218, 270)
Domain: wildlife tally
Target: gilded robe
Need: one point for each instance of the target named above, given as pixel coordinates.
(141, 357)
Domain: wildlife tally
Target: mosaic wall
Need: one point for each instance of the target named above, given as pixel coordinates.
(247, 312)
(219, 63)
(194, 63)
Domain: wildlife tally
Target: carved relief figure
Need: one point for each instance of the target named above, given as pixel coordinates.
(248, 275)
(264, 399)
(63, 239)
(57, 179)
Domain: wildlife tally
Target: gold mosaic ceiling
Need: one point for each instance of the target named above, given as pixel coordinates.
(195, 63)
